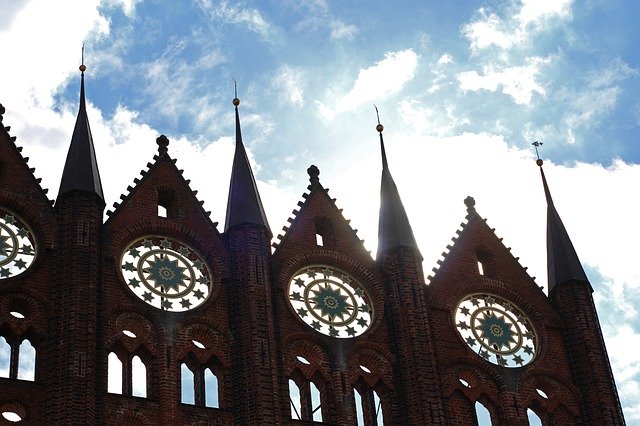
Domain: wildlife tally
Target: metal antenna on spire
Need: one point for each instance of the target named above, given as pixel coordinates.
(536, 144)
(82, 66)
(379, 127)
(236, 101)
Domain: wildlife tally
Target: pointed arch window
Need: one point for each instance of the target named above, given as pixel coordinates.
(17, 359)
(534, 419)
(369, 407)
(127, 374)
(305, 398)
(200, 384)
(483, 416)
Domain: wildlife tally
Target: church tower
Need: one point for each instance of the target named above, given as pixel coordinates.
(154, 316)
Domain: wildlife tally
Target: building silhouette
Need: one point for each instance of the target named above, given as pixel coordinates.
(154, 316)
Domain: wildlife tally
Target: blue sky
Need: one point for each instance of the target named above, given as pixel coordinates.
(463, 89)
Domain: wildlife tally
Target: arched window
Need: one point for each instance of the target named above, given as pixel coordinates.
(138, 377)
(187, 385)
(368, 406)
(26, 361)
(17, 359)
(199, 386)
(211, 389)
(114, 374)
(534, 420)
(483, 416)
(5, 357)
(305, 398)
(127, 375)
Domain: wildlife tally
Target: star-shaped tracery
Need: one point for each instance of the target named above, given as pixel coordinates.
(17, 245)
(496, 329)
(166, 273)
(330, 301)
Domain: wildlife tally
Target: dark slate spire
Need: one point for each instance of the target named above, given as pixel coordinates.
(81, 168)
(563, 264)
(244, 205)
(394, 229)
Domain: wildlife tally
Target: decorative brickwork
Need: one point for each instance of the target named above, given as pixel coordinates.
(409, 363)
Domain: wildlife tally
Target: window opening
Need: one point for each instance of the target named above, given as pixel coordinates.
(365, 369)
(319, 240)
(211, 389)
(129, 333)
(197, 344)
(316, 403)
(464, 383)
(480, 268)
(17, 314)
(188, 387)
(26, 361)
(482, 415)
(534, 420)
(378, 404)
(5, 358)
(294, 399)
(359, 412)
(138, 377)
(303, 360)
(542, 393)
(114, 374)
(162, 211)
(11, 416)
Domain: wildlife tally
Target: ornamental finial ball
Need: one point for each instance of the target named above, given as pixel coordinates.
(83, 68)
(236, 101)
(379, 128)
(539, 162)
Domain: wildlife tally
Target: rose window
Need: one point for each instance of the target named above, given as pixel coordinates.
(330, 301)
(166, 273)
(496, 330)
(17, 245)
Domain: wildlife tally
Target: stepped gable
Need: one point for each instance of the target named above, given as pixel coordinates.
(318, 215)
(476, 243)
(162, 184)
(17, 179)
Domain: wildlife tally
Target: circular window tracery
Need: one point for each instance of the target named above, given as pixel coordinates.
(330, 301)
(17, 245)
(496, 329)
(166, 273)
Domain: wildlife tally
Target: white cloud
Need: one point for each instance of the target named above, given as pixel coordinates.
(237, 13)
(519, 82)
(536, 11)
(486, 32)
(445, 59)
(340, 30)
(387, 77)
(128, 6)
(289, 83)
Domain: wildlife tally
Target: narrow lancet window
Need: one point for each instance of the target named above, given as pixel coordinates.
(187, 382)
(114, 374)
(26, 361)
(138, 377)
(211, 389)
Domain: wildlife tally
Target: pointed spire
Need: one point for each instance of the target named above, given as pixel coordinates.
(563, 264)
(394, 229)
(244, 204)
(81, 167)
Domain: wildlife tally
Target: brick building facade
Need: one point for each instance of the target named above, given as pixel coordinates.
(154, 316)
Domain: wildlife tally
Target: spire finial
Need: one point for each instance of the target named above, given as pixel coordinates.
(314, 172)
(163, 143)
(82, 67)
(379, 127)
(471, 204)
(536, 144)
(236, 101)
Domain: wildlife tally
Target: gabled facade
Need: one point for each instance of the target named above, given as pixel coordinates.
(155, 317)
